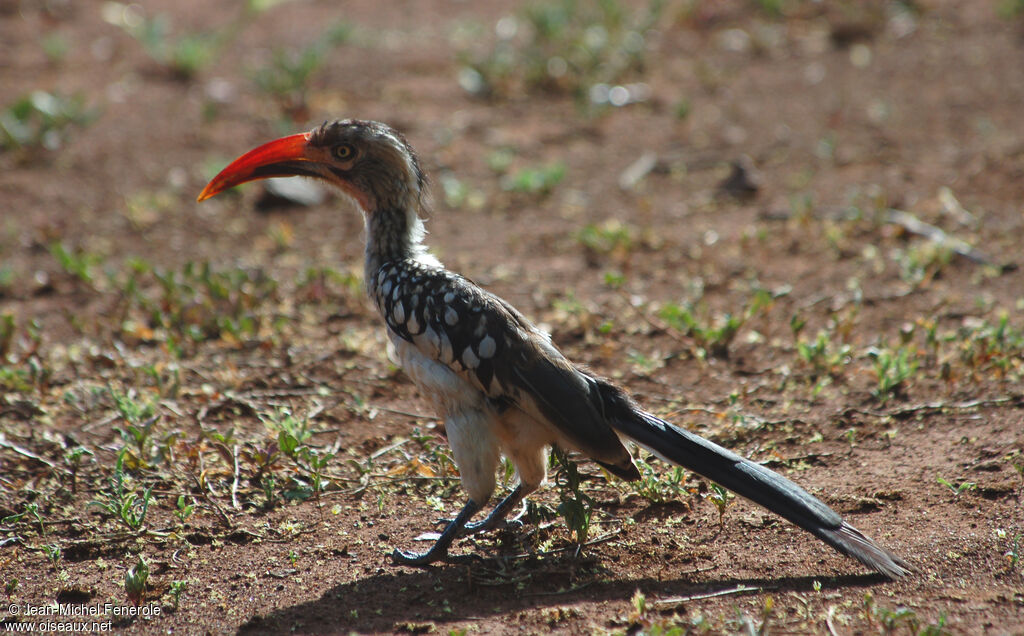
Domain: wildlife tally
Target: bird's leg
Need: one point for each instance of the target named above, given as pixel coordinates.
(497, 518)
(439, 550)
(530, 459)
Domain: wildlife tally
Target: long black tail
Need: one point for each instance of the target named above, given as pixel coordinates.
(747, 479)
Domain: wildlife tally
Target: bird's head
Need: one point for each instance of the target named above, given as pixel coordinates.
(369, 161)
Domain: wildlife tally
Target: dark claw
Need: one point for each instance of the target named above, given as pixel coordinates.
(500, 524)
(475, 527)
(478, 526)
(439, 551)
(484, 525)
(423, 559)
(414, 559)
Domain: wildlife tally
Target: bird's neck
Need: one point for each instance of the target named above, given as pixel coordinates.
(393, 236)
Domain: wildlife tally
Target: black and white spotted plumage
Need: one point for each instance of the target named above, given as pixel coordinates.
(445, 316)
(498, 382)
(491, 346)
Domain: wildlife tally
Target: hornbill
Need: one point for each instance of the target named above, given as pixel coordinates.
(497, 380)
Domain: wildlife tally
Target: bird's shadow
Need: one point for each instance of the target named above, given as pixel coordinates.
(396, 598)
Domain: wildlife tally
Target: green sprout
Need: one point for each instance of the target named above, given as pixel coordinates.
(893, 369)
(177, 589)
(135, 581)
(958, 489)
(122, 503)
(577, 507)
(287, 76)
(41, 120)
(721, 498)
(535, 180)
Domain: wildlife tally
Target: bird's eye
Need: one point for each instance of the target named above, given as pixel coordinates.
(343, 152)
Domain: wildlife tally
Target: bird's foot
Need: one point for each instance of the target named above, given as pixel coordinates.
(439, 551)
(485, 525)
(415, 559)
(497, 520)
(423, 559)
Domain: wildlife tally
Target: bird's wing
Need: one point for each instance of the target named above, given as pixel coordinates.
(490, 344)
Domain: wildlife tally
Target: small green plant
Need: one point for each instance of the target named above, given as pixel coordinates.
(54, 554)
(122, 502)
(21, 347)
(73, 457)
(1009, 9)
(315, 462)
(682, 109)
(921, 262)
(566, 46)
(177, 589)
(11, 586)
(185, 56)
(139, 420)
(145, 208)
(500, 160)
(8, 330)
(613, 280)
(30, 509)
(79, 263)
(1014, 554)
(134, 411)
(577, 507)
(892, 368)
(184, 510)
(135, 581)
(992, 347)
(262, 457)
(41, 120)
(721, 498)
(610, 238)
(194, 304)
(658, 487)
(824, 357)
(458, 195)
(938, 628)
(712, 334)
(639, 607)
(287, 76)
(7, 279)
(166, 378)
(56, 47)
(771, 7)
(957, 489)
(851, 437)
(15, 380)
(535, 180)
(269, 486)
(892, 620)
(293, 434)
(33, 509)
(292, 431)
(318, 284)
